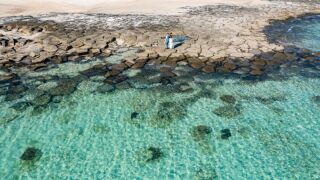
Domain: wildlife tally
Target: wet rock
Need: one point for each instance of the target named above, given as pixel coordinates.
(38, 67)
(138, 65)
(197, 65)
(225, 133)
(200, 132)
(119, 67)
(123, 85)
(279, 57)
(7, 78)
(208, 69)
(256, 72)
(228, 99)
(105, 88)
(115, 79)
(227, 111)
(134, 115)
(64, 87)
(96, 70)
(112, 73)
(228, 66)
(31, 154)
(41, 100)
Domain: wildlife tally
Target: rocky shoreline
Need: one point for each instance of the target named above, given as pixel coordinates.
(222, 39)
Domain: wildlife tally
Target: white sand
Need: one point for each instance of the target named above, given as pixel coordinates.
(30, 7)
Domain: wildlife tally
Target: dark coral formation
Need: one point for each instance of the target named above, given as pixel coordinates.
(200, 132)
(151, 154)
(227, 111)
(134, 115)
(206, 173)
(316, 99)
(167, 113)
(225, 133)
(31, 154)
(228, 99)
(64, 87)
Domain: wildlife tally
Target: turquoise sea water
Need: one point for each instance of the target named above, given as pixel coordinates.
(302, 32)
(148, 131)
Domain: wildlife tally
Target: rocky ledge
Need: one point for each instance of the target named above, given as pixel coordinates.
(221, 39)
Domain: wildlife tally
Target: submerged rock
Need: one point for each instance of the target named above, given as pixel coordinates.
(41, 100)
(227, 111)
(134, 115)
(200, 132)
(316, 99)
(64, 87)
(151, 154)
(105, 88)
(228, 99)
(20, 106)
(12, 97)
(31, 154)
(225, 133)
(206, 174)
(167, 113)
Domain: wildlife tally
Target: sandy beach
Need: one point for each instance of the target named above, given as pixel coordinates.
(166, 7)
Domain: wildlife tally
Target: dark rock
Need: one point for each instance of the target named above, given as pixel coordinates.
(228, 99)
(134, 115)
(225, 133)
(95, 70)
(105, 88)
(31, 154)
(200, 132)
(227, 111)
(64, 87)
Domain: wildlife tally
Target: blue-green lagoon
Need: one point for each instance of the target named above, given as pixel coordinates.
(68, 121)
(201, 126)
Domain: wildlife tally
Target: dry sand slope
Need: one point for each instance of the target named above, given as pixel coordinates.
(27, 7)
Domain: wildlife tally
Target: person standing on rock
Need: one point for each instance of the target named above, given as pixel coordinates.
(171, 41)
(167, 40)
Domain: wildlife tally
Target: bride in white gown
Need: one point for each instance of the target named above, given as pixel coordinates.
(171, 42)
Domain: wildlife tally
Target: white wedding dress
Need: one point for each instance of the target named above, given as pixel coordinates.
(171, 43)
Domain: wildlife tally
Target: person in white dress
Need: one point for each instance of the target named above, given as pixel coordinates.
(171, 42)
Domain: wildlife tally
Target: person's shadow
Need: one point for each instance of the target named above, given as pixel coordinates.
(179, 40)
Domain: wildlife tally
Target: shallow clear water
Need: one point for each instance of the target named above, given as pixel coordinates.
(274, 126)
(301, 32)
